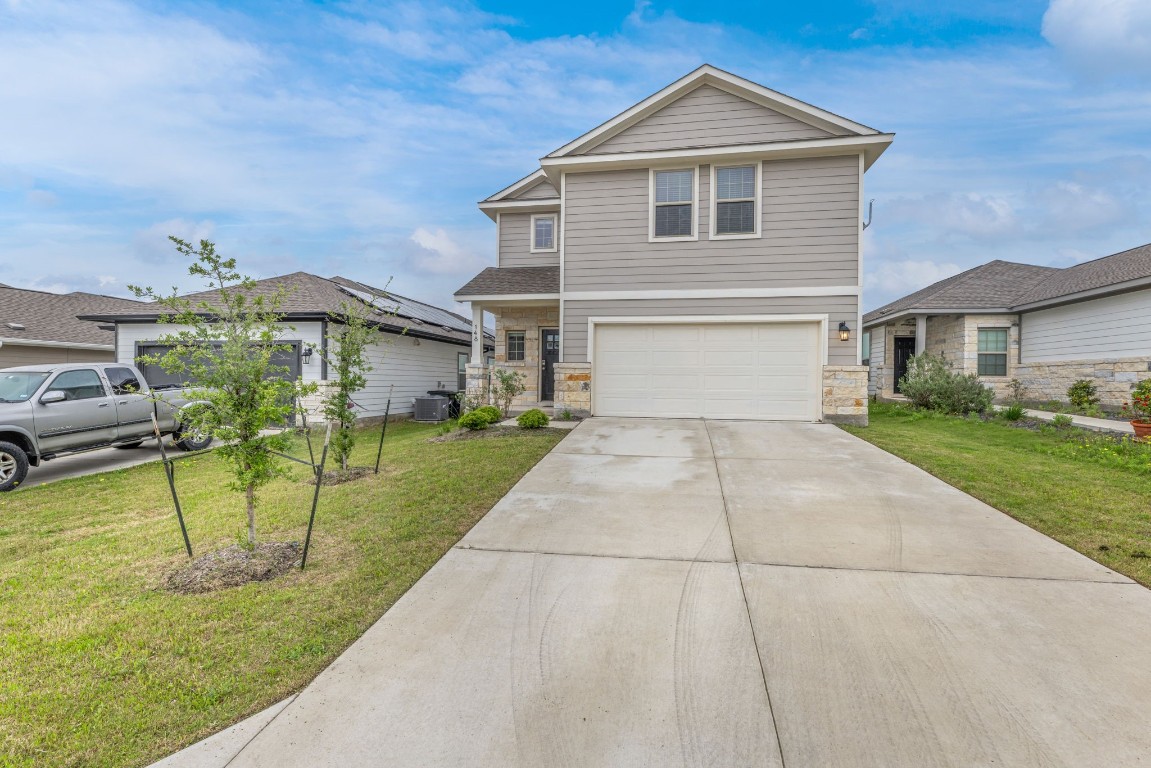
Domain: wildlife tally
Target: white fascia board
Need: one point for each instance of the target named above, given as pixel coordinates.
(870, 146)
(487, 299)
(523, 183)
(709, 75)
(936, 311)
(1094, 293)
(715, 293)
(58, 344)
(536, 205)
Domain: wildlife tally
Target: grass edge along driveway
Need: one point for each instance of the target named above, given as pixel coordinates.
(101, 667)
(1076, 487)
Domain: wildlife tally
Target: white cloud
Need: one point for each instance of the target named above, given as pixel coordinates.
(1102, 37)
(438, 253)
(895, 278)
(152, 244)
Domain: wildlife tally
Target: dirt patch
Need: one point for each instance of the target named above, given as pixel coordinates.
(474, 434)
(234, 566)
(337, 476)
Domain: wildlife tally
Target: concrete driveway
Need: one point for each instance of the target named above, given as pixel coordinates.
(91, 463)
(688, 593)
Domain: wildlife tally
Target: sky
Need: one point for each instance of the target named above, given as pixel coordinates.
(354, 138)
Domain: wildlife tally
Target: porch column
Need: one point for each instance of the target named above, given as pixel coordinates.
(920, 334)
(477, 334)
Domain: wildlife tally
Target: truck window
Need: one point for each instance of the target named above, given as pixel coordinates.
(18, 386)
(78, 385)
(123, 381)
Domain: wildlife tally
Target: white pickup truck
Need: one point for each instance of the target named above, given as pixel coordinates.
(53, 410)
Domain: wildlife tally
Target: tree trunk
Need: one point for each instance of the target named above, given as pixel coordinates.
(250, 494)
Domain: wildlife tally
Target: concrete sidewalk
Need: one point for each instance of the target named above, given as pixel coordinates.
(682, 593)
(1087, 422)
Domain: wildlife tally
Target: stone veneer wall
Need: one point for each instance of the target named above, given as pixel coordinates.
(573, 388)
(946, 336)
(476, 378)
(1114, 378)
(845, 394)
(529, 320)
(972, 324)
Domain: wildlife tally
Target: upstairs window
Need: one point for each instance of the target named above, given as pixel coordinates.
(515, 346)
(673, 204)
(543, 233)
(735, 200)
(992, 351)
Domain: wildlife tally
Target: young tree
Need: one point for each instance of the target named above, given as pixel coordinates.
(348, 368)
(227, 349)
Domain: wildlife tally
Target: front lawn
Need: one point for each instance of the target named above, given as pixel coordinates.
(1082, 490)
(101, 667)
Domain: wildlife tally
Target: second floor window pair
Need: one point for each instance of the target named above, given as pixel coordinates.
(735, 196)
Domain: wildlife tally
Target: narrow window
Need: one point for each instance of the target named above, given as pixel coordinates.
(673, 204)
(992, 351)
(866, 347)
(735, 200)
(544, 233)
(515, 346)
(462, 371)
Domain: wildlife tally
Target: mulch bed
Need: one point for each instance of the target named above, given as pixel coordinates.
(234, 566)
(475, 434)
(337, 476)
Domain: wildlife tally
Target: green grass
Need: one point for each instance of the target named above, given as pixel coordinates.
(99, 667)
(1088, 492)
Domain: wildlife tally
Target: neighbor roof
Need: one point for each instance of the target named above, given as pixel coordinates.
(507, 281)
(53, 317)
(312, 296)
(1113, 270)
(996, 285)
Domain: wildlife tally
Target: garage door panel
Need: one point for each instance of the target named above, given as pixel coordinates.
(713, 370)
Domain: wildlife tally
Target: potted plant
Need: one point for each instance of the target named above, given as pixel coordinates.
(1139, 409)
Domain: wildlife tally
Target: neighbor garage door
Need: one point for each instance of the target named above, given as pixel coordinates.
(768, 371)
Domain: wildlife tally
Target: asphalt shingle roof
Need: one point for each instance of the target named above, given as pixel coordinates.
(54, 316)
(1122, 267)
(501, 281)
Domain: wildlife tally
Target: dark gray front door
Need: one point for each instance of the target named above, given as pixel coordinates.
(904, 350)
(549, 356)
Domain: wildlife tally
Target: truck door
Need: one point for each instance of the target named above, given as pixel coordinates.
(133, 405)
(85, 417)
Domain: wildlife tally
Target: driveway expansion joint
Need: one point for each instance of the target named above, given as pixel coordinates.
(471, 548)
(1125, 582)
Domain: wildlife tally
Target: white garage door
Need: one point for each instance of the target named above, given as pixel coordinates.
(768, 371)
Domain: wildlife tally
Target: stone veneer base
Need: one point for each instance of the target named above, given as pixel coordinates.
(845, 394)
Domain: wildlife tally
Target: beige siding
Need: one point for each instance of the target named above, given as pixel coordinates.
(13, 355)
(708, 117)
(576, 314)
(515, 243)
(810, 233)
(1110, 327)
(539, 191)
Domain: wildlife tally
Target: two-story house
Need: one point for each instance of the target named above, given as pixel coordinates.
(699, 255)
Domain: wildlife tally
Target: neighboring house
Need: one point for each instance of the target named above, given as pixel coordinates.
(421, 348)
(696, 256)
(1044, 326)
(39, 328)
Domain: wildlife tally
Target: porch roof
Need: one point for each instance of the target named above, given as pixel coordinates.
(512, 282)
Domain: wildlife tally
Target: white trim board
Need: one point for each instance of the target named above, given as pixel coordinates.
(56, 344)
(508, 297)
(532, 233)
(716, 293)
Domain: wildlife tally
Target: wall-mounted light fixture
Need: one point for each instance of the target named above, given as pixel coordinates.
(844, 331)
(306, 355)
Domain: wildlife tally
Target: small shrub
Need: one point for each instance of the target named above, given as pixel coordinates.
(1083, 394)
(1139, 409)
(507, 387)
(930, 383)
(1013, 412)
(565, 415)
(1017, 390)
(1062, 421)
(491, 413)
(533, 419)
(473, 421)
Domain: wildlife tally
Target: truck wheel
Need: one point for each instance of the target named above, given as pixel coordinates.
(191, 441)
(13, 466)
(126, 446)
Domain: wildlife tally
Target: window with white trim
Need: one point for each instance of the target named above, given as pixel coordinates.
(543, 232)
(515, 346)
(992, 351)
(673, 203)
(736, 201)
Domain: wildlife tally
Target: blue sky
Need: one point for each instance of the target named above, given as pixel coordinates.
(354, 138)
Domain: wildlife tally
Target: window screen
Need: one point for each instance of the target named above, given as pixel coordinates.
(992, 351)
(735, 200)
(515, 345)
(543, 233)
(673, 203)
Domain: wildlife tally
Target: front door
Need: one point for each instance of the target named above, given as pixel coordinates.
(904, 350)
(549, 356)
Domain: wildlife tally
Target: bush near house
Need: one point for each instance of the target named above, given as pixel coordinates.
(533, 419)
(474, 421)
(1083, 394)
(931, 383)
(491, 413)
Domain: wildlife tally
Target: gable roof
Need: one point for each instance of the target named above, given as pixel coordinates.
(53, 317)
(707, 74)
(512, 281)
(996, 285)
(1107, 273)
(315, 297)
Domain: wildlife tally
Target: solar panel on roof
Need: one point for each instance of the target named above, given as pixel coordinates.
(408, 308)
